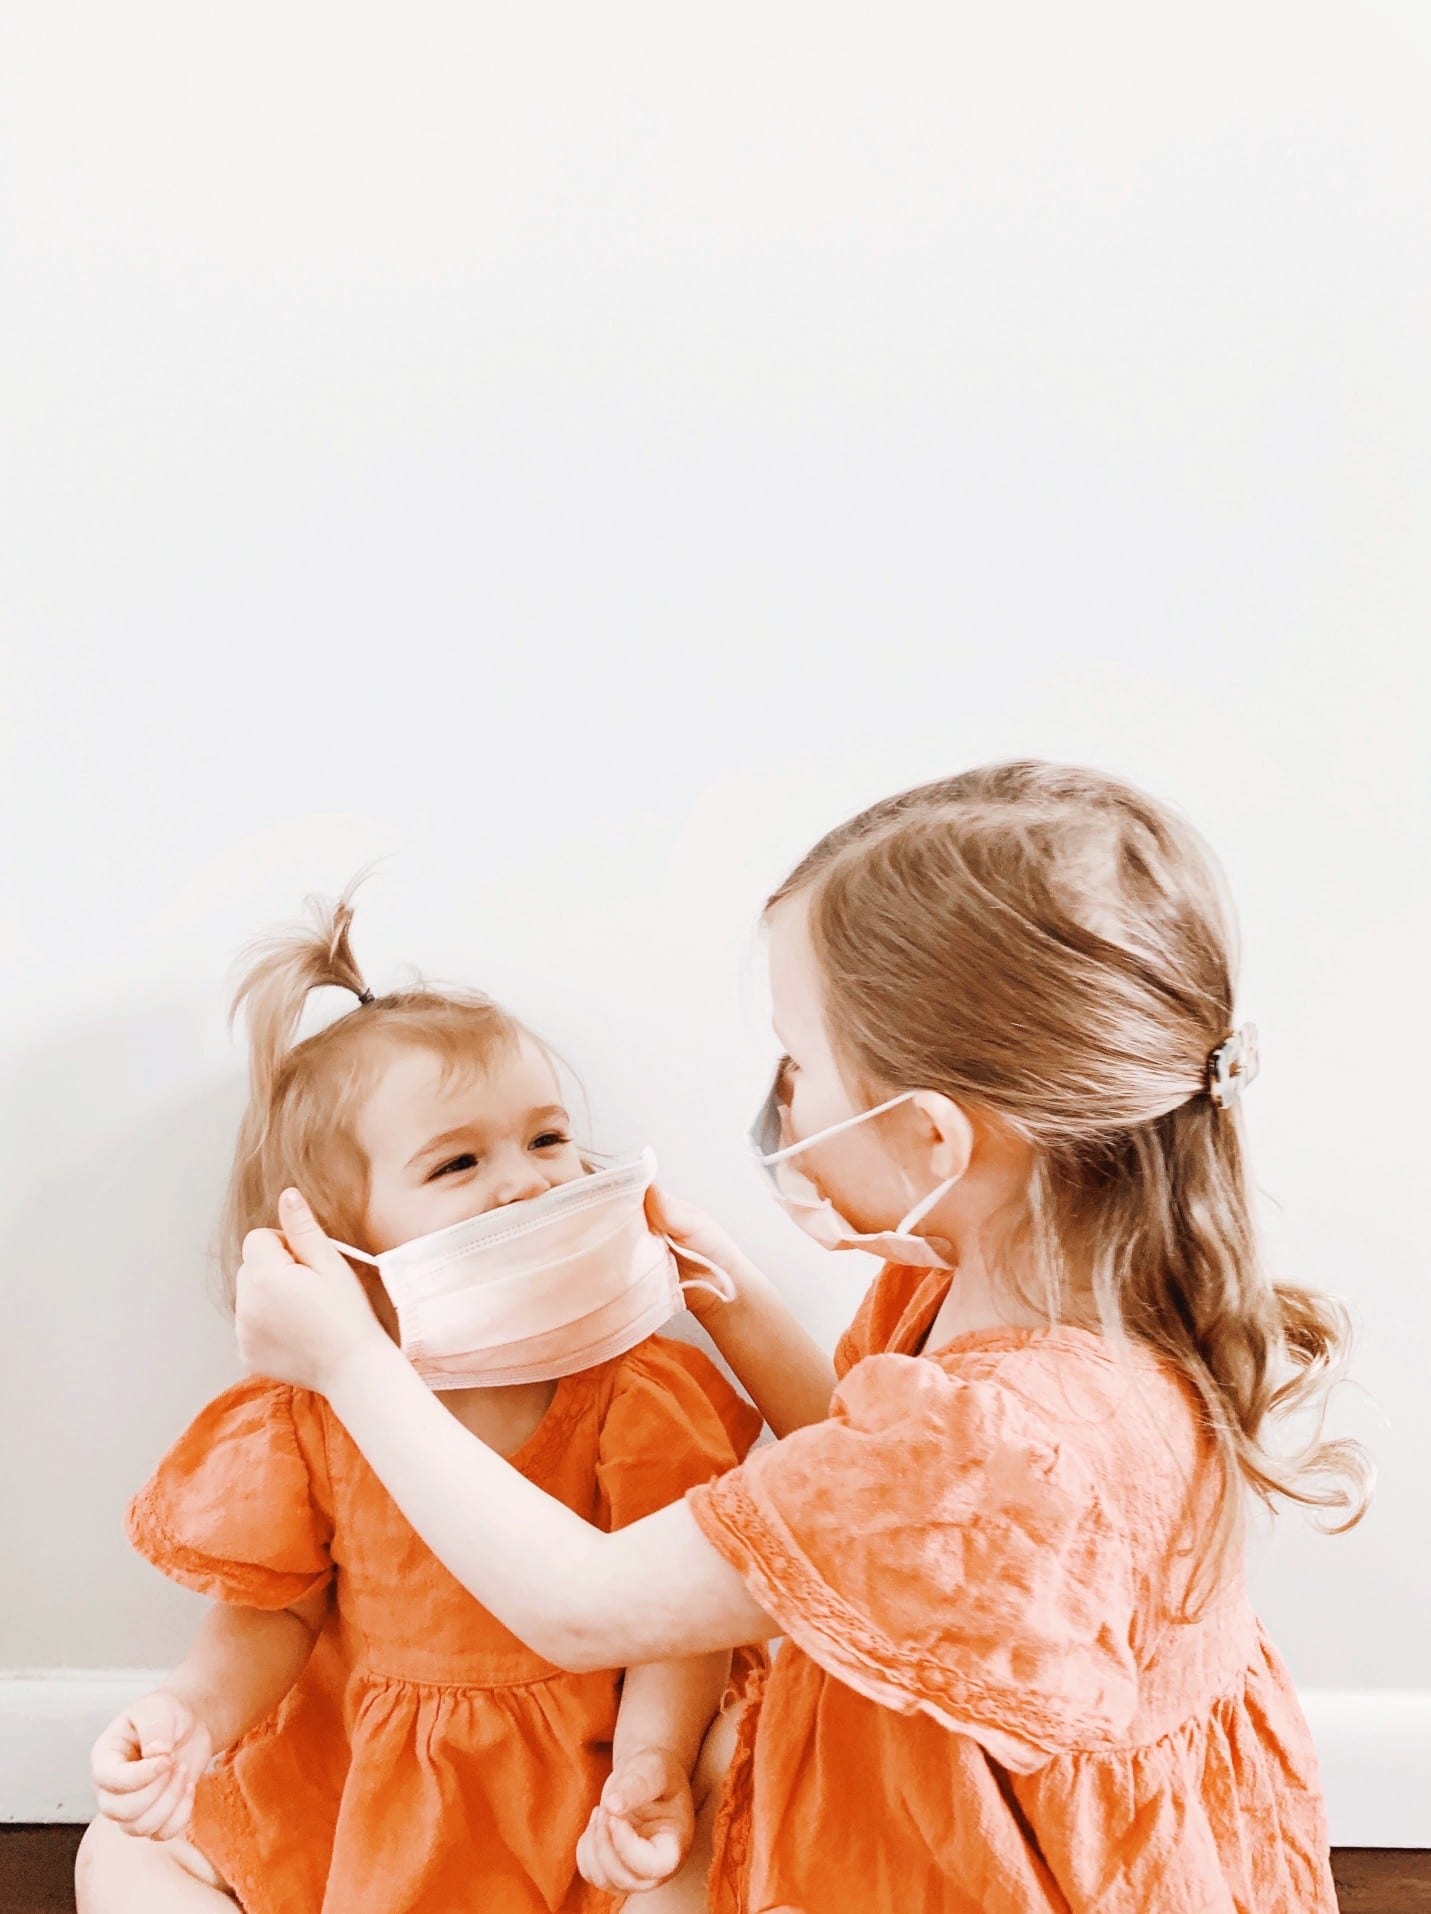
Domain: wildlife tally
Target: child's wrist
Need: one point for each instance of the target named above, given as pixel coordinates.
(746, 1283)
(666, 1751)
(740, 1274)
(200, 1701)
(359, 1370)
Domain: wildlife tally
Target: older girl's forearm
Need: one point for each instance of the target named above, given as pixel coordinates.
(523, 1554)
(785, 1372)
(580, 1598)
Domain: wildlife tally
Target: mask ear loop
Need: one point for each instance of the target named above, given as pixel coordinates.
(361, 1255)
(925, 1205)
(723, 1288)
(834, 1129)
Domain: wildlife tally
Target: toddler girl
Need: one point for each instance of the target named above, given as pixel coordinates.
(386, 1745)
(1022, 1675)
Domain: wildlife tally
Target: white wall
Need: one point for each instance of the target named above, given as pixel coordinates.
(585, 473)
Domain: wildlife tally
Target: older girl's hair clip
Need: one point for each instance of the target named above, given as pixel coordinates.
(1232, 1066)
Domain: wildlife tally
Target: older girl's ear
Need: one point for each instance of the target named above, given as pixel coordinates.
(950, 1134)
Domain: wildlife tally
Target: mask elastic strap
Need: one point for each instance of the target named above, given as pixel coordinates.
(361, 1254)
(925, 1205)
(723, 1288)
(834, 1129)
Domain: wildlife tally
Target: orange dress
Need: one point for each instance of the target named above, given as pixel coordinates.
(425, 1762)
(987, 1703)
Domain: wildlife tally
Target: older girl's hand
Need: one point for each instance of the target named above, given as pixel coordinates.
(685, 1227)
(301, 1313)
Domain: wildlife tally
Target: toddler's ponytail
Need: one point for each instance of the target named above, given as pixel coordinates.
(281, 970)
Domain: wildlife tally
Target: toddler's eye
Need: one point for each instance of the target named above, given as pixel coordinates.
(550, 1140)
(464, 1162)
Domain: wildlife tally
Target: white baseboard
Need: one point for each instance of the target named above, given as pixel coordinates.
(1374, 1745)
(48, 1722)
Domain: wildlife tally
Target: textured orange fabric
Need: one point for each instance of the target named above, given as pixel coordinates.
(426, 1762)
(988, 1703)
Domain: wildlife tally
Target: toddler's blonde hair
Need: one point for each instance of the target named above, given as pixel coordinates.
(299, 1126)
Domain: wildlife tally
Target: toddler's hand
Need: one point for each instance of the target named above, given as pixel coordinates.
(147, 1763)
(641, 1829)
(691, 1228)
(300, 1311)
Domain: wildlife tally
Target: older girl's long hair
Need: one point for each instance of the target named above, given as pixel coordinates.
(1053, 947)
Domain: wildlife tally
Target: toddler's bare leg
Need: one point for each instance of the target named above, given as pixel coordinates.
(119, 1873)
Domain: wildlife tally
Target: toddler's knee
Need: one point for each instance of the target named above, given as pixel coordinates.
(91, 1862)
(114, 1870)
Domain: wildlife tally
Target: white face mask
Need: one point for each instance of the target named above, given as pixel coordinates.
(802, 1200)
(536, 1289)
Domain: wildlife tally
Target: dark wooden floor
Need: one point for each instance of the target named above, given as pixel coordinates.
(36, 1865)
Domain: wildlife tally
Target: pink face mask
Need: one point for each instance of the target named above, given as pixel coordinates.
(537, 1289)
(804, 1203)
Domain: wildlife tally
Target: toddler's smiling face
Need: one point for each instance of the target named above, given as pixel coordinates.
(443, 1145)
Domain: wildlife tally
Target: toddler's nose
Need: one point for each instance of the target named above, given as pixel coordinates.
(517, 1182)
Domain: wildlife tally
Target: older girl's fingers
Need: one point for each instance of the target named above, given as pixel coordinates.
(265, 1244)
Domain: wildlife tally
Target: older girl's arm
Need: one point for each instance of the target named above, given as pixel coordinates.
(581, 1598)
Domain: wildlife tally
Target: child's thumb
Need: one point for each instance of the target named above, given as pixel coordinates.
(656, 1207)
(304, 1232)
(635, 1783)
(156, 1727)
